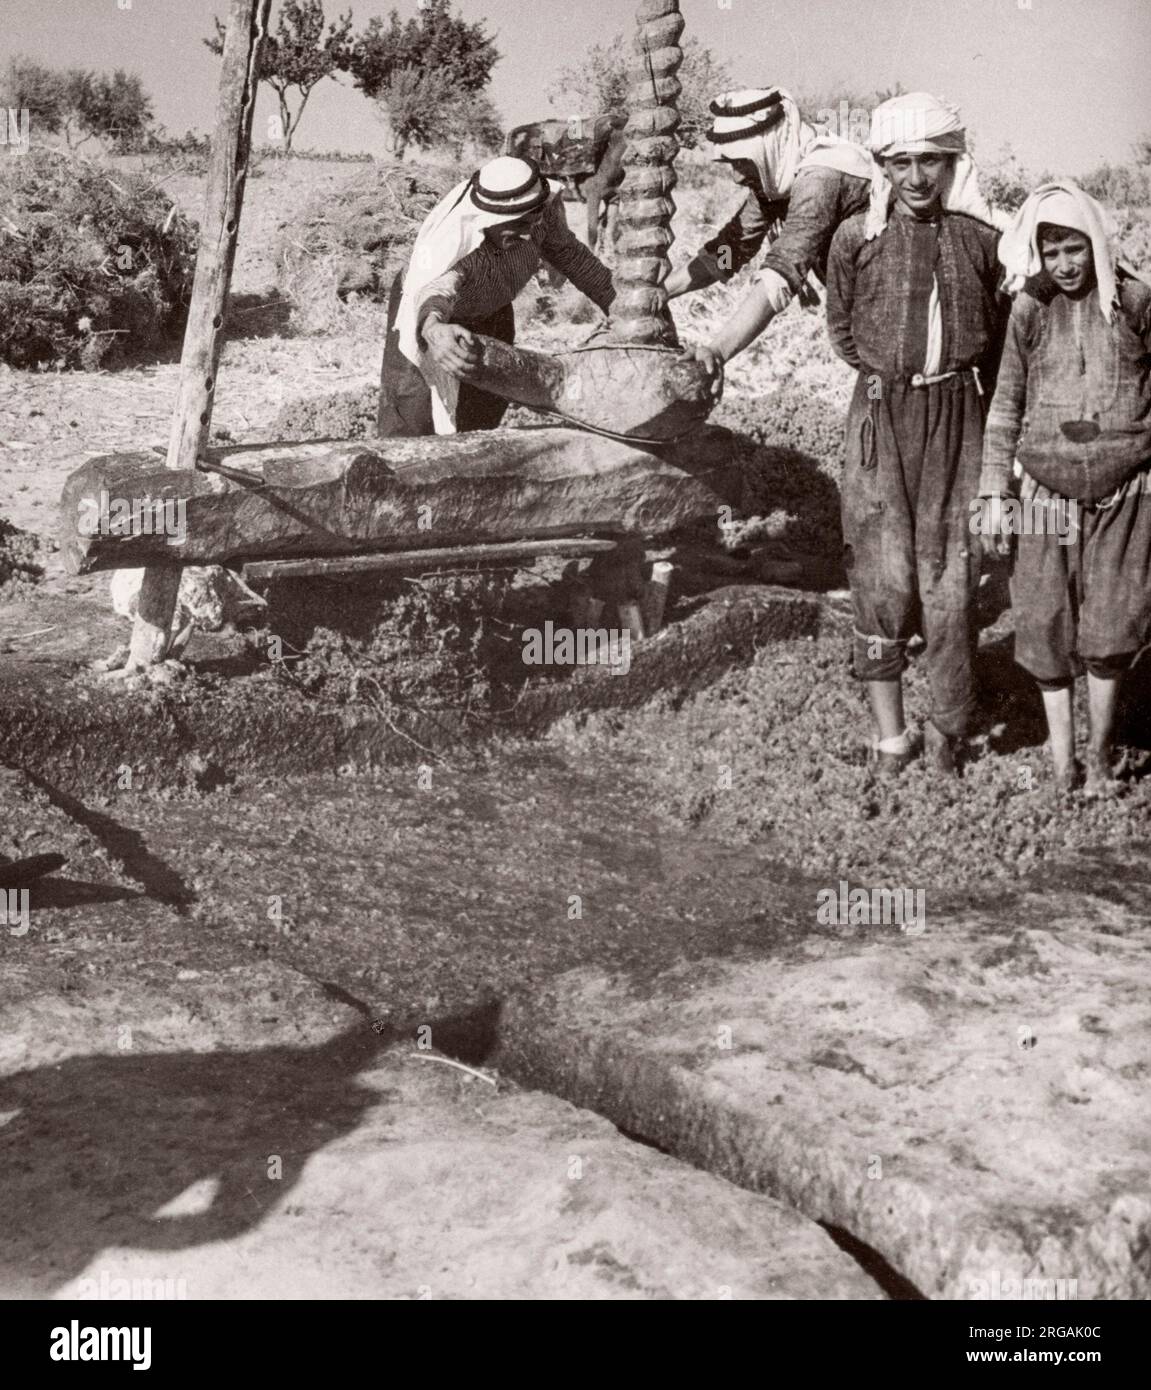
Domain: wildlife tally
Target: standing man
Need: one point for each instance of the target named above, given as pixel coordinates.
(800, 187)
(914, 305)
(476, 250)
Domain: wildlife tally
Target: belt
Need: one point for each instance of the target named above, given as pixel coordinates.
(966, 374)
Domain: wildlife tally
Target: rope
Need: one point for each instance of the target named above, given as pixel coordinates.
(612, 434)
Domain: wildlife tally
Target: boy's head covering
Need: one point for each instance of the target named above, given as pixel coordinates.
(502, 190)
(763, 124)
(919, 123)
(1062, 204)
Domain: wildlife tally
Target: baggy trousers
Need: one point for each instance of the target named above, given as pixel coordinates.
(1083, 596)
(406, 398)
(913, 561)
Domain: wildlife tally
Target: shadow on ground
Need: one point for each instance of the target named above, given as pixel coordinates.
(98, 1145)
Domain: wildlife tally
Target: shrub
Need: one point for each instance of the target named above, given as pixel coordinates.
(1005, 182)
(93, 269)
(1118, 185)
(21, 553)
(358, 235)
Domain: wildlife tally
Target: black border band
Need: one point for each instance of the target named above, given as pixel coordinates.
(750, 108)
(729, 137)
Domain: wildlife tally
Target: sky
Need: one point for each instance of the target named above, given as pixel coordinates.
(1064, 82)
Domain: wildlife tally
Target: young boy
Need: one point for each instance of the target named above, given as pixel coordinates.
(1073, 406)
(914, 305)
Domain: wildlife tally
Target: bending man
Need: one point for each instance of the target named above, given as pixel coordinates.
(476, 250)
(800, 187)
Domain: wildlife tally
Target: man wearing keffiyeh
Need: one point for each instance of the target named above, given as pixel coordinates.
(475, 251)
(913, 304)
(800, 187)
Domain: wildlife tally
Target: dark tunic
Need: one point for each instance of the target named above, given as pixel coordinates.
(800, 227)
(1082, 597)
(914, 450)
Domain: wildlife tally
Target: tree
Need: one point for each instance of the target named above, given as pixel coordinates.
(425, 109)
(436, 40)
(428, 76)
(116, 109)
(77, 104)
(414, 103)
(32, 87)
(598, 84)
(298, 56)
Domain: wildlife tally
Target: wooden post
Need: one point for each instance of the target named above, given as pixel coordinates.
(219, 231)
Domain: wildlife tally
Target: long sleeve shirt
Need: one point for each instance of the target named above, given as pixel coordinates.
(1064, 365)
(488, 279)
(879, 295)
(799, 228)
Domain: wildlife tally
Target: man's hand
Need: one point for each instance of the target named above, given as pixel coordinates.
(994, 528)
(712, 360)
(453, 349)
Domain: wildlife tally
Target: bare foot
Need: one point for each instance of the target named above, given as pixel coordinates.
(1068, 777)
(939, 749)
(1100, 774)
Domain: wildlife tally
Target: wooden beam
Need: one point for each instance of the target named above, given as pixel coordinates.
(445, 557)
(219, 231)
(357, 497)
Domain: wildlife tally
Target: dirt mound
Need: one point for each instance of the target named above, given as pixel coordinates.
(435, 640)
(20, 565)
(94, 269)
(353, 239)
(337, 415)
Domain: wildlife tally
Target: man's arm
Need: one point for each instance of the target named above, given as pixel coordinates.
(732, 247)
(841, 271)
(564, 250)
(821, 199)
(451, 347)
(438, 299)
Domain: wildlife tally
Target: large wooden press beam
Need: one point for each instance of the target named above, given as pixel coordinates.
(280, 501)
(219, 231)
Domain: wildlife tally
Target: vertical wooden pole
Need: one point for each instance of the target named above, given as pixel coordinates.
(219, 231)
